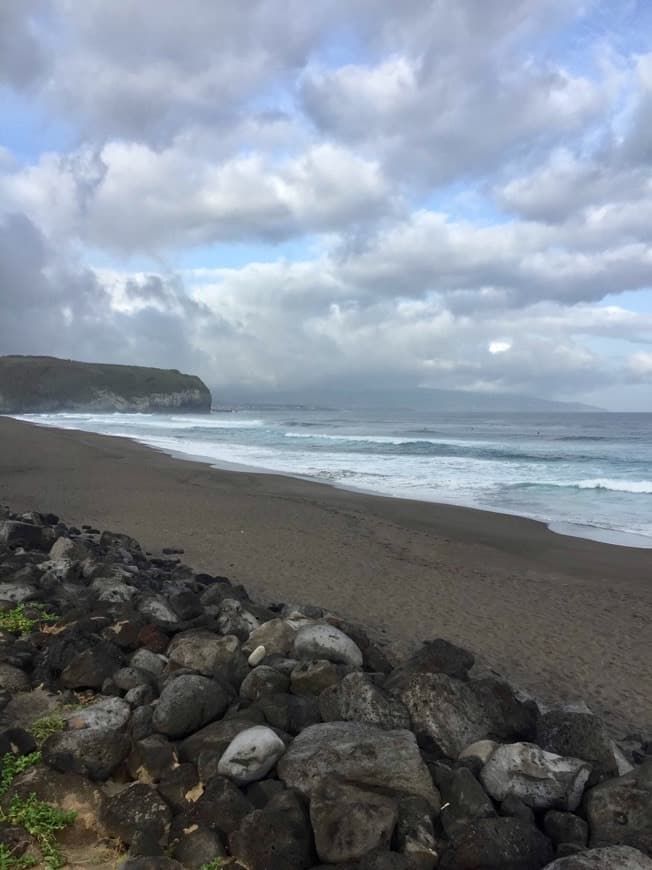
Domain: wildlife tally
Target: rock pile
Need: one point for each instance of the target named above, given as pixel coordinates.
(194, 727)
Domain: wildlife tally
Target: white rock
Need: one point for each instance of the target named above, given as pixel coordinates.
(609, 858)
(482, 749)
(251, 755)
(322, 641)
(540, 779)
(257, 656)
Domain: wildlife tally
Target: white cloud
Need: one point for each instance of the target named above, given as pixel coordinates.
(499, 346)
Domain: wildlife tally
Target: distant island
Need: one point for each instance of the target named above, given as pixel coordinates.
(43, 384)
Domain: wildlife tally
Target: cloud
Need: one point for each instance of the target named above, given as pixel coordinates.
(23, 55)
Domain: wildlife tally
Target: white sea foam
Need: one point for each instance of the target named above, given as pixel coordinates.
(643, 487)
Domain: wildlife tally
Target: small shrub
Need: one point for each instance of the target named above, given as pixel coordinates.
(44, 727)
(11, 861)
(216, 864)
(23, 618)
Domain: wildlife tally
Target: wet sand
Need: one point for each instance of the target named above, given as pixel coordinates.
(562, 617)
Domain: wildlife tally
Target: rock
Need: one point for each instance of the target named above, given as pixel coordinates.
(541, 779)
(276, 635)
(31, 537)
(349, 821)
(66, 548)
(180, 786)
(275, 838)
(13, 679)
(116, 540)
(311, 678)
(415, 835)
(151, 863)
(481, 749)
(107, 714)
(186, 604)
(222, 806)
(320, 641)
(198, 848)
(257, 656)
(91, 667)
(131, 677)
(138, 808)
(580, 735)
(509, 718)
(609, 858)
(157, 609)
(444, 712)
(619, 811)
(251, 755)
(145, 660)
(67, 792)
(200, 650)
(188, 703)
(18, 591)
(440, 657)
(92, 752)
(514, 808)
(140, 695)
(291, 713)
(498, 844)
(260, 793)
(360, 700)
(360, 754)
(151, 758)
(565, 828)
(263, 680)
(234, 619)
(215, 737)
(153, 638)
(464, 800)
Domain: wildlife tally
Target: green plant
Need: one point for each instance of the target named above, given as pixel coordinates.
(42, 821)
(217, 864)
(12, 765)
(23, 618)
(44, 727)
(10, 861)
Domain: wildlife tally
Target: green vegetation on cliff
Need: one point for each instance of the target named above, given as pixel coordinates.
(46, 384)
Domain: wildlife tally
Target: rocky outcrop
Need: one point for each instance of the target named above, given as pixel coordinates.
(31, 384)
(196, 728)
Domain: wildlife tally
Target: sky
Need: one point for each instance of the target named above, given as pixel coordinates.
(280, 194)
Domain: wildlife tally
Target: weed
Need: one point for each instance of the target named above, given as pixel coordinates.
(44, 727)
(217, 864)
(10, 861)
(12, 765)
(23, 618)
(42, 821)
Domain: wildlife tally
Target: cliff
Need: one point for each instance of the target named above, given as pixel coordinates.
(43, 384)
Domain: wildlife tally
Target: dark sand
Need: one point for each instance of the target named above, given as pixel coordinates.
(565, 618)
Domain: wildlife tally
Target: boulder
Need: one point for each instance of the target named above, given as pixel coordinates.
(18, 591)
(360, 754)
(464, 800)
(222, 806)
(444, 712)
(291, 713)
(439, 656)
(92, 752)
(320, 641)
(106, 714)
(251, 755)
(276, 635)
(157, 609)
(263, 680)
(509, 717)
(198, 848)
(277, 837)
(201, 650)
(13, 679)
(565, 828)
(540, 779)
(415, 835)
(311, 678)
(187, 703)
(66, 548)
(234, 619)
(145, 660)
(609, 858)
(180, 786)
(619, 811)
(151, 758)
(16, 534)
(359, 699)
(138, 808)
(215, 737)
(91, 667)
(481, 749)
(498, 844)
(349, 821)
(580, 735)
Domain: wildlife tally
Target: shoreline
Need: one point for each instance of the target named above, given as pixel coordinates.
(562, 617)
(566, 528)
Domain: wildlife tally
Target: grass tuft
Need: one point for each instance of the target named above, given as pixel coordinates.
(23, 618)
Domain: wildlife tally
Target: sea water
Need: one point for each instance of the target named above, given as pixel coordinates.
(584, 474)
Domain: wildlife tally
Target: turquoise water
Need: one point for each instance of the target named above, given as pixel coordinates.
(584, 474)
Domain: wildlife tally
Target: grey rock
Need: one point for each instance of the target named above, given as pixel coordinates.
(439, 656)
(321, 641)
(276, 635)
(609, 858)
(565, 828)
(222, 806)
(360, 754)
(157, 609)
(349, 821)
(509, 717)
(18, 591)
(66, 548)
(291, 713)
(215, 737)
(540, 779)
(92, 666)
(580, 735)
(498, 844)
(180, 787)
(415, 835)
(464, 800)
(13, 679)
(359, 699)
(275, 838)
(16, 534)
(514, 808)
(311, 678)
(198, 848)
(201, 650)
(251, 755)
(92, 752)
(444, 712)
(619, 811)
(137, 808)
(188, 703)
(105, 714)
(151, 758)
(234, 619)
(148, 661)
(263, 680)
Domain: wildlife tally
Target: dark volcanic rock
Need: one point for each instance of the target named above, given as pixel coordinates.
(509, 718)
(566, 828)
(619, 810)
(440, 657)
(92, 752)
(498, 844)
(275, 838)
(188, 703)
(581, 735)
(138, 808)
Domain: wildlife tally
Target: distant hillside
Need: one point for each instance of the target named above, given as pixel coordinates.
(46, 384)
(417, 399)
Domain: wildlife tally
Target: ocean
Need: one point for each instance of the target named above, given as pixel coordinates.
(588, 475)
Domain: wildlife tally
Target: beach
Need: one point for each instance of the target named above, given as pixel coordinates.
(564, 618)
